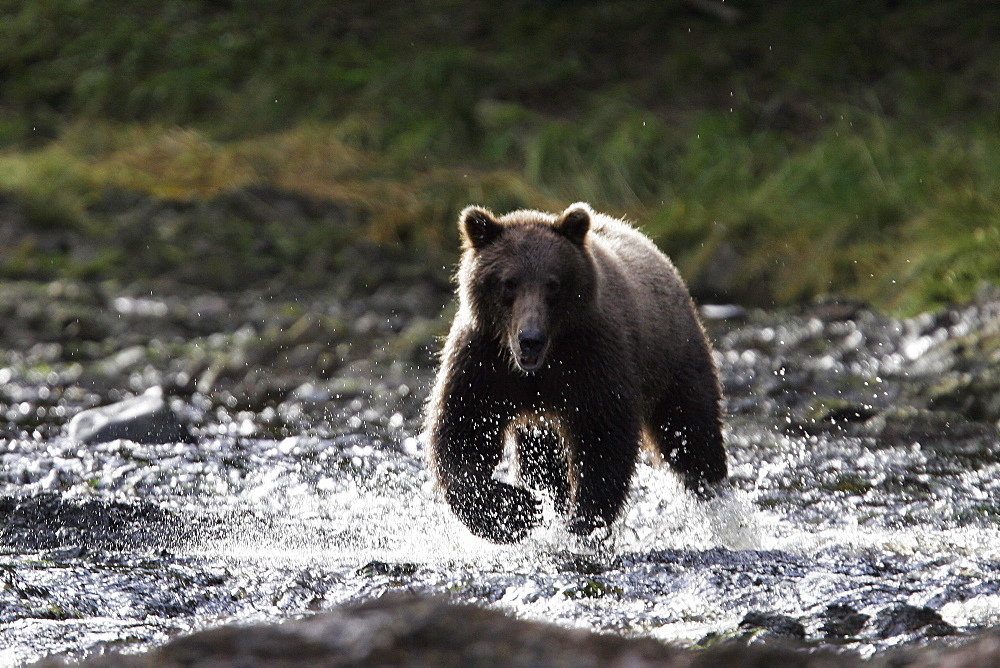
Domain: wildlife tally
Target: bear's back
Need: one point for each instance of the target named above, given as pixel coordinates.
(650, 274)
(658, 310)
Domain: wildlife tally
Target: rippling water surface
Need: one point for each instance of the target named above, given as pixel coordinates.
(853, 493)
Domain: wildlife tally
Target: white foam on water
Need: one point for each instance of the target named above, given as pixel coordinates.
(982, 610)
(392, 513)
(404, 519)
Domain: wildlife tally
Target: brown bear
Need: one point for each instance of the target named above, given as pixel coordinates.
(575, 339)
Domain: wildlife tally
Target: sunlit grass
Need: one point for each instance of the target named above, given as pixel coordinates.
(833, 150)
(868, 209)
(52, 184)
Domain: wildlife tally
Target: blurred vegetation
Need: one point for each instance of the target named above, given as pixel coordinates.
(779, 151)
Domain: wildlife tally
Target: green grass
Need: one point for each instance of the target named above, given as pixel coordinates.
(800, 152)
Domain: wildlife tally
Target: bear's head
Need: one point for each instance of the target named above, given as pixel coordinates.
(526, 277)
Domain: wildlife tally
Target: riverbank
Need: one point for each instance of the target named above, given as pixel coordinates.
(778, 156)
(70, 345)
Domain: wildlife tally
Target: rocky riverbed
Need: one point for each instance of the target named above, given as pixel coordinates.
(864, 513)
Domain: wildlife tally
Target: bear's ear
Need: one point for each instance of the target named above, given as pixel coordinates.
(574, 223)
(478, 227)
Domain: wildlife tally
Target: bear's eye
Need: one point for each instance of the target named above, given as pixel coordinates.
(508, 288)
(552, 286)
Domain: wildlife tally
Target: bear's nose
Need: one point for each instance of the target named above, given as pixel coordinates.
(531, 342)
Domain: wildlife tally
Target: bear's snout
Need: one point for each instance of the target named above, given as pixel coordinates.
(531, 345)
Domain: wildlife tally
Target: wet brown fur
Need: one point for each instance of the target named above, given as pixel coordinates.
(625, 360)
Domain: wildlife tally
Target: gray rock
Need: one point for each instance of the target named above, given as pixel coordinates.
(906, 619)
(422, 631)
(147, 418)
(773, 626)
(722, 312)
(397, 631)
(842, 621)
(430, 631)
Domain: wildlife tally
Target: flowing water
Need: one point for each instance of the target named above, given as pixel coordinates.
(859, 484)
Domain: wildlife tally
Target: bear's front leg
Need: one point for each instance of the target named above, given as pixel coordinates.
(604, 451)
(465, 430)
(492, 509)
(465, 460)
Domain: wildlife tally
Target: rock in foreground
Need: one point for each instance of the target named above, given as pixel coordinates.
(394, 631)
(402, 632)
(425, 631)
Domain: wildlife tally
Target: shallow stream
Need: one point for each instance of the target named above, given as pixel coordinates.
(865, 479)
